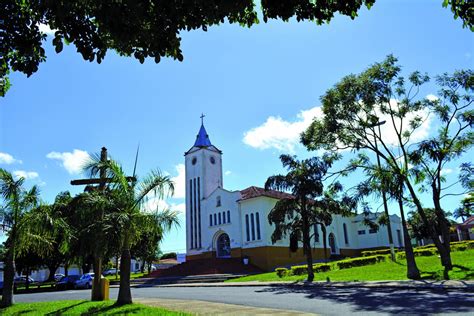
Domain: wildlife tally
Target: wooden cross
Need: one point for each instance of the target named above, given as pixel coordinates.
(102, 180)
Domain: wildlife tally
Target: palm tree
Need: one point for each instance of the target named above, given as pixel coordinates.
(17, 202)
(308, 204)
(128, 219)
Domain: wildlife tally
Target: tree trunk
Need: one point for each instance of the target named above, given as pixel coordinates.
(8, 276)
(52, 271)
(125, 295)
(307, 248)
(412, 270)
(116, 266)
(96, 293)
(444, 250)
(27, 281)
(325, 245)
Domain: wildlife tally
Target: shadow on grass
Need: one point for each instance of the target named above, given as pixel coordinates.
(65, 309)
(113, 310)
(387, 300)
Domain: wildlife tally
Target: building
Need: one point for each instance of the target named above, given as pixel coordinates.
(233, 224)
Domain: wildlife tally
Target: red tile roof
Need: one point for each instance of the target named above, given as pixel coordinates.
(469, 221)
(252, 192)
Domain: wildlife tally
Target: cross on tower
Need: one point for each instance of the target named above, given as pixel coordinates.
(202, 118)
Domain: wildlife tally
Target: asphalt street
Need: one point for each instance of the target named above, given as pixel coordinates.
(319, 300)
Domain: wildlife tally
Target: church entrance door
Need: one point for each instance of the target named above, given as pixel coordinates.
(332, 243)
(223, 246)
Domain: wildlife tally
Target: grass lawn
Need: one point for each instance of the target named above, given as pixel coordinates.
(132, 276)
(430, 268)
(83, 308)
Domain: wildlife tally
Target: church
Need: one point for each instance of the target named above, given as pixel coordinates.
(233, 224)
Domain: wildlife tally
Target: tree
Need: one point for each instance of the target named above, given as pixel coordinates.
(296, 214)
(127, 218)
(358, 103)
(27, 229)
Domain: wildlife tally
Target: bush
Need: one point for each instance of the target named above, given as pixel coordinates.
(281, 272)
(376, 252)
(169, 255)
(321, 267)
(361, 261)
(299, 270)
(417, 252)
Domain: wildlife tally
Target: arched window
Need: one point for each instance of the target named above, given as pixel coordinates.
(210, 219)
(247, 226)
(257, 219)
(252, 223)
(316, 233)
(346, 238)
(215, 219)
(218, 201)
(220, 219)
(223, 217)
(228, 216)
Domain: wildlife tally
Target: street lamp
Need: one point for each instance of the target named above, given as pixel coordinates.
(384, 197)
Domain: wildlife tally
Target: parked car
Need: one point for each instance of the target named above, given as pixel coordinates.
(21, 281)
(85, 281)
(67, 282)
(58, 276)
(110, 272)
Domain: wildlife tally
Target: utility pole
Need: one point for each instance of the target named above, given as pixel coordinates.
(96, 294)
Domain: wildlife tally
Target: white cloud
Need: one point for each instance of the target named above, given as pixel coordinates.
(179, 182)
(280, 134)
(446, 171)
(8, 159)
(71, 161)
(228, 172)
(27, 175)
(432, 97)
(44, 28)
(155, 204)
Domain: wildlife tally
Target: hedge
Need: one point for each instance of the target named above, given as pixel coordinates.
(281, 272)
(303, 269)
(369, 253)
(361, 261)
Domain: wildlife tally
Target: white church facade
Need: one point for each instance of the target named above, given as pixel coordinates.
(234, 224)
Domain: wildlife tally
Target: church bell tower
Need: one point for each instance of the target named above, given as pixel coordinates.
(203, 170)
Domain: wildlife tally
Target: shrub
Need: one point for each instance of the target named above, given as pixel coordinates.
(321, 267)
(299, 270)
(369, 253)
(169, 255)
(361, 261)
(281, 272)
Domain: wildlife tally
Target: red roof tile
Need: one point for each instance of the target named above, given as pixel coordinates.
(252, 192)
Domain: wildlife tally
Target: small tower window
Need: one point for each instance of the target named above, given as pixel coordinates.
(223, 217)
(228, 216)
(218, 201)
(210, 219)
(194, 161)
(212, 159)
(220, 219)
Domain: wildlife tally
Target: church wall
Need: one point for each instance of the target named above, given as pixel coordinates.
(210, 207)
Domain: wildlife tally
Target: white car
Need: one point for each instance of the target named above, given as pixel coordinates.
(85, 282)
(110, 272)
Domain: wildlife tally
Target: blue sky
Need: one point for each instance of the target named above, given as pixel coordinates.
(258, 88)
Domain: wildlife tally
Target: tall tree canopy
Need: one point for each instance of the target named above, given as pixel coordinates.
(145, 28)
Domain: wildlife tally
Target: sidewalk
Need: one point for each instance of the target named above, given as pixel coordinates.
(209, 308)
(423, 284)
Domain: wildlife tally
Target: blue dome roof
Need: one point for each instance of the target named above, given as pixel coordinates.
(202, 139)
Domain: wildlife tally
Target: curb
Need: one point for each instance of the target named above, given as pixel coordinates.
(465, 287)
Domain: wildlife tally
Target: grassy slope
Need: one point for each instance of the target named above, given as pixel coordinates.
(430, 268)
(132, 276)
(83, 308)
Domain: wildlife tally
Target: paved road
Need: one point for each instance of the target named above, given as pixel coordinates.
(324, 301)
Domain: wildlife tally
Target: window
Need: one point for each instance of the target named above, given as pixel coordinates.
(210, 219)
(361, 232)
(373, 231)
(218, 201)
(223, 218)
(316, 233)
(215, 219)
(346, 238)
(252, 223)
(220, 219)
(399, 236)
(257, 219)
(247, 226)
(228, 216)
